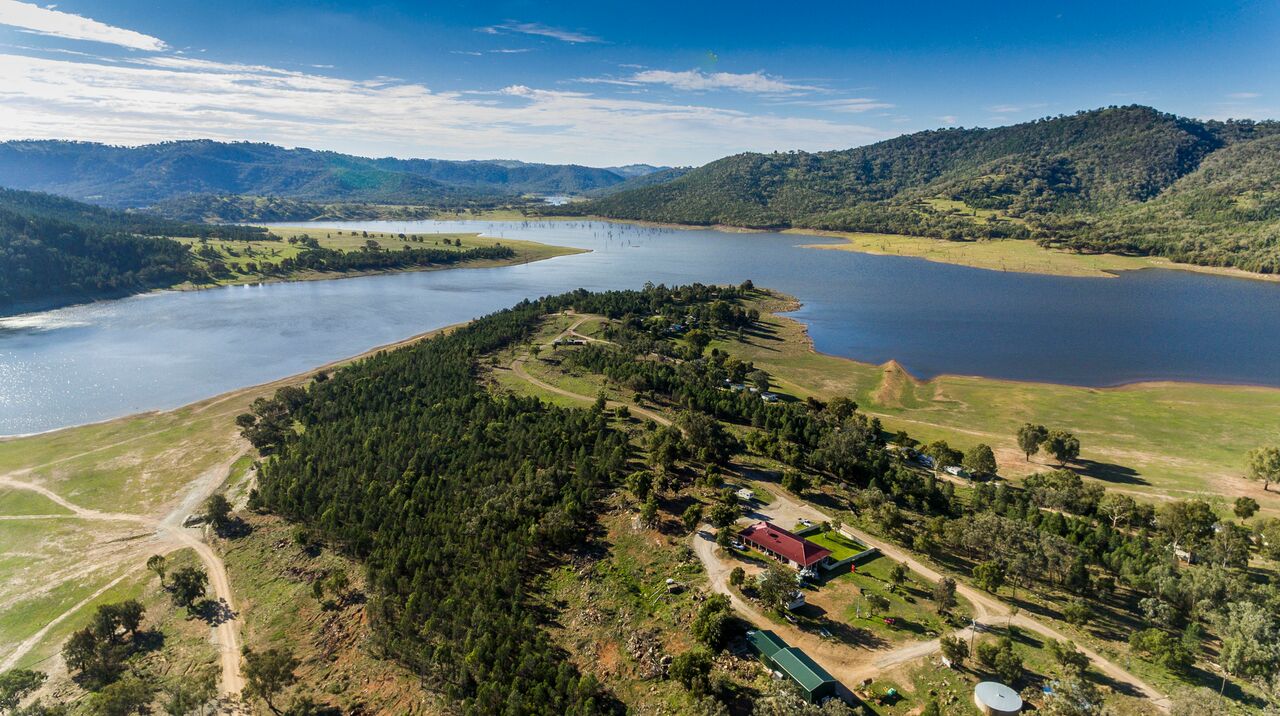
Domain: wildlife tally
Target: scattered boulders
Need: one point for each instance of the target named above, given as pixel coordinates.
(646, 649)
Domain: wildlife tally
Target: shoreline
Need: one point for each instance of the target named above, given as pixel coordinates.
(788, 304)
(850, 237)
(792, 304)
(554, 251)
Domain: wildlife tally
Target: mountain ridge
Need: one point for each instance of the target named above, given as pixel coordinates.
(137, 177)
(1072, 181)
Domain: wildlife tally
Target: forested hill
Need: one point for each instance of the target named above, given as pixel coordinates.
(142, 176)
(54, 250)
(1121, 179)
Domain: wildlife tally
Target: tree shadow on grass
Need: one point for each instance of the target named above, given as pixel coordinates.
(213, 611)
(1109, 472)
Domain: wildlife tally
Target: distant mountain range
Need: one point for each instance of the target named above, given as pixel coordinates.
(135, 177)
(1120, 179)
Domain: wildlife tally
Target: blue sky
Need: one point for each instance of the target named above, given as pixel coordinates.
(609, 83)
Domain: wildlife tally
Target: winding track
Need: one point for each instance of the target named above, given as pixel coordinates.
(171, 536)
(846, 669)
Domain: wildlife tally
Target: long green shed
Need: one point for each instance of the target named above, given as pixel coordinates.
(816, 685)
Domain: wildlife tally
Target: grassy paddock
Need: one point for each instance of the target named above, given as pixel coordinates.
(1154, 439)
(237, 255)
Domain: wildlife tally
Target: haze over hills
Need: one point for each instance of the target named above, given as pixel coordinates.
(129, 177)
(1121, 179)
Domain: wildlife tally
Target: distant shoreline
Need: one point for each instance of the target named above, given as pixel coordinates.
(526, 252)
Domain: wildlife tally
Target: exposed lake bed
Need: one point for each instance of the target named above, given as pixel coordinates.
(96, 361)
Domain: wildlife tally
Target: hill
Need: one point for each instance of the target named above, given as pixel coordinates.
(1120, 179)
(145, 175)
(54, 250)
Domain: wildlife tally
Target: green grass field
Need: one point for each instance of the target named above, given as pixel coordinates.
(238, 255)
(1157, 440)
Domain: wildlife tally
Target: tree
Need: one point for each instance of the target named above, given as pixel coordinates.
(1187, 524)
(188, 585)
(955, 649)
(795, 482)
(185, 695)
(156, 563)
(267, 673)
(759, 380)
(989, 576)
(691, 668)
(723, 515)
(1063, 446)
(737, 576)
(980, 460)
(711, 626)
(1229, 546)
(943, 454)
(1030, 437)
(1002, 658)
(944, 594)
(649, 512)
(1068, 657)
(217, 509)
(1158, 646)
(776, 587)
(1077, 613)
(1245, 507)
(878, 603)
(1250, 640)
(692, 516)
(1263, 465)
(1073, 695)
(1117, 508)
(897, 575)
(18, 684)
(130, 695)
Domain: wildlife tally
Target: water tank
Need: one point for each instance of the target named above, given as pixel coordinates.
(995, 699)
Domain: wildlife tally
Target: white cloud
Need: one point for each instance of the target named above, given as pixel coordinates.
(47, 21)
(540, 30)
(1015, 108)
(948, 119)
(852, 105)
(150, 99)
(1243, 95)
(697, 80)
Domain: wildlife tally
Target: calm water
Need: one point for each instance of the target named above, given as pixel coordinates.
(93, 362)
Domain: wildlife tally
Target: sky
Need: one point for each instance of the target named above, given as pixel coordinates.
(611, 83)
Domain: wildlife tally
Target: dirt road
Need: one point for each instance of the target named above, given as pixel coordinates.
(170, 535)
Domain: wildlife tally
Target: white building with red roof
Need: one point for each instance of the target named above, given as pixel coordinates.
(785, 546)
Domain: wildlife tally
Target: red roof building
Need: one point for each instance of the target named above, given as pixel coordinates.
(783, 545)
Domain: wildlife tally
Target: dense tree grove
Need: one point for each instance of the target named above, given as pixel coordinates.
(1127, 180)
(57, 249)
(455, 498)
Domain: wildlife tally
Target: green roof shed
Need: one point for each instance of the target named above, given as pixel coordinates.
(766, 644)
(815, 683)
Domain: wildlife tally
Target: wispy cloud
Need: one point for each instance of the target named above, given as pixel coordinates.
(851, 105)
(1244, 95)
(137, 100)
(540, 30)
(1016, 108)
(948, 119)
(699, 81)
(47, 21)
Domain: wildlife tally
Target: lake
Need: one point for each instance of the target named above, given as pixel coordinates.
(92, 362)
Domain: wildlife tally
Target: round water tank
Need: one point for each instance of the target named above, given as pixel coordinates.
(995, 699)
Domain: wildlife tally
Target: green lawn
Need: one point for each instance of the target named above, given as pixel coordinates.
(841, 547)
